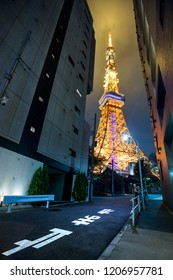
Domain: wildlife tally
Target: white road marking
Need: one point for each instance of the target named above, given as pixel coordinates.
(25, 243)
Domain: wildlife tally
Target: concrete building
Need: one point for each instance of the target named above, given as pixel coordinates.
(154, 35)
(47, 53)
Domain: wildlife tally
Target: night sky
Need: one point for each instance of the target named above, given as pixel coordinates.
(117, 16)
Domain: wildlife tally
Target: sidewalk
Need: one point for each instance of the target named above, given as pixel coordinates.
(151, 239)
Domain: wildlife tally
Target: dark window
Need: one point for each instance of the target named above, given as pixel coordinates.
(161, 12)
(83, 66)
(161, 170)
(87, 27)
(75, 130)
(71, 61)
(85, 44)
(83, 54)
(86, 35)
(81, 78)
(153, 62)
(87, 16)
(161, 93)
(77, 109)
(72, 152)
(168, 139)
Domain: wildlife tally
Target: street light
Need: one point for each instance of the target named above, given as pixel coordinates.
(126, 137)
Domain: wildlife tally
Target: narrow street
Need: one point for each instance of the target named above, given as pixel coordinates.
(79, 231)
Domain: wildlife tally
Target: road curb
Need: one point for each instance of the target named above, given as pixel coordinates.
(107, 252)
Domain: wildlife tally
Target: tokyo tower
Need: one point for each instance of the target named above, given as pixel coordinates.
(111, 149)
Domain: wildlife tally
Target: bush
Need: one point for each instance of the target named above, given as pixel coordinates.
(40, 181)
(80, 185)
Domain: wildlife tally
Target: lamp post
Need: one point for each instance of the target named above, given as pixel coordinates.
(140, 169)
(112, 178)
(90, 185)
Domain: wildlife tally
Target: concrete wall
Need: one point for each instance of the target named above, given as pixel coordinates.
(47, 125)
(16, 172)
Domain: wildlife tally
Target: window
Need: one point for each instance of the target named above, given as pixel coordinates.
(168, 139)
(153, 62)
(75, 130)
(81, 78)
(71, 61)
(47, 75)
(161, 11)
(72, 152)
(79, 93)
(87, 17)
(161, 93)
(40, 99)
(83, 66)
(32, 129)
(84, 54)
(160, 169)
(87, 27)
(86, 35)
(77, 109)
(85, 44)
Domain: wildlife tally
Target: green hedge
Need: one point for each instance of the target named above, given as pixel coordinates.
(80, 186)
(40, 181)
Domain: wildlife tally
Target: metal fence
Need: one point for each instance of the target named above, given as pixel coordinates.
(136, 209)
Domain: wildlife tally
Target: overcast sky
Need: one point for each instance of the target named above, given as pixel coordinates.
(117, 16)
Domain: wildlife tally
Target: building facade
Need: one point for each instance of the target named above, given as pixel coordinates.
(47, 53)
(154, 35)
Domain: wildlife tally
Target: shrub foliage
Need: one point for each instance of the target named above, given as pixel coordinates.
(80, 185)
(40, 181)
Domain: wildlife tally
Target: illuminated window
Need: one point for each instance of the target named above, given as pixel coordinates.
(32, 129)
(47, 75)
(40, 99)
(79, 93)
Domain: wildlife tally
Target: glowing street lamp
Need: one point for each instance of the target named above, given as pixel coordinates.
(126, 137)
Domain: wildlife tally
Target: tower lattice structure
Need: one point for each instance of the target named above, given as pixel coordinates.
(111, 149)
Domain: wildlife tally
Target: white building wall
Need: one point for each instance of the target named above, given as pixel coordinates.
(16, 172)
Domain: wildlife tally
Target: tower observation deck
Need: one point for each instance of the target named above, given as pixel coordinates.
(111, 149)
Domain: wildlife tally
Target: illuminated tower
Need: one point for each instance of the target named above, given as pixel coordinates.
(111, 149)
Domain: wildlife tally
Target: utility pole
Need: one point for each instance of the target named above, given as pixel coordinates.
(90, 185)
(112, 178)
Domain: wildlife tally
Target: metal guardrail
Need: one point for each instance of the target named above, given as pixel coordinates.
(11, 199)
(136, 208)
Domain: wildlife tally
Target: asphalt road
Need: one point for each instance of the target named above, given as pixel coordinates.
(79, 231)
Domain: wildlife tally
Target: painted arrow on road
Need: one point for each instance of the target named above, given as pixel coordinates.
(38, 243)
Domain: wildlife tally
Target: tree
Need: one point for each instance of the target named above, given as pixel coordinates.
(80, 185)
(103, 183)
(40, 181)
(144, 168)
